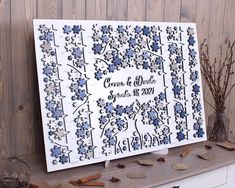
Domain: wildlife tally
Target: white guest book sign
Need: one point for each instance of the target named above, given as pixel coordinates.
(111, 89)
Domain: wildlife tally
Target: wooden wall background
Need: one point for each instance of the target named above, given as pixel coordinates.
(20, 121)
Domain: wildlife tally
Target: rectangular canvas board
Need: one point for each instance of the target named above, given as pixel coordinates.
(113, 89)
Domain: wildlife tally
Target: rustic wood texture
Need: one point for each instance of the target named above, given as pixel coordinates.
(6, 106)
(20, 121)
(158, 174)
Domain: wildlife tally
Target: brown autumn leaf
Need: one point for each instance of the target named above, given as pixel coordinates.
(206, 156)
(114, 179)
(179, 166)
(161, 159)
(121, 166)
(208, 146)
(145, 162)
(136, 175)
(227, 145)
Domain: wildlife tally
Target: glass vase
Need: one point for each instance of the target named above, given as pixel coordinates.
(14, 173)
(218, 127)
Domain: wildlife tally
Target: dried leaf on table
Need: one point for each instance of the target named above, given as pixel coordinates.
(161, 159)
(114, 179)
(186, 152)
(208, 146)
(145, 162)
(136, 175)
(121, 166)
(206, 156)
(227, 145)
(179, 166)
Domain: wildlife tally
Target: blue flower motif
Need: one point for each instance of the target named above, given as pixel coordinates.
(98, 75)
(82, 150)
(172, 48)
(136, 146)
(155, 47)
(108, 107)
(119, 110)
(116, 61)
(145, 65)
(103, 119)
(128, 109)
(81, 82)
(63, 159)
(196, 126)
(183, 114)
(162, 96)
(50, 133)
(200, 132)
(129, 53)
(108, 132)
(111, 67)
(105, 38)
(47, 70)
(112, 141)
(165, 140)
(146, 30)
(138, 29)
(198, 107)
(179, 59)
(191, 41)
(105, 29)
(97, 48)
(174, 81)
(152, 114)
(180, 136)
(56, 151)
(159, 60)
(67, 29)
(156, 122)
(80, 133)
(57, 113)
(156, 38)
(85, 125)
(77, 53)
(120, 29)
(50, 105)
(196, 88)
(192, 53)
(176, 89)
(145, 55)
(194, 76)
(178, 107)
(48, 36)
(81, 94)
(76, 29)
(132, 42)
(120, 123)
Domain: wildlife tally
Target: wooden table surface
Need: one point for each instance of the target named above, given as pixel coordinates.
(158, 174)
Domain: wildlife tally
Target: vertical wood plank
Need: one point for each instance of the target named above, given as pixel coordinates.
(172, 11)
(155, 10)
(188, 10)
(214, 41)
(203, 27)
(117, 10)
(203, 19)
(136, 10)
(73, 9)
(216, 27)
(51, 9)
(229, 34)
(96, 9)
(26, 100)
(5, 80)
